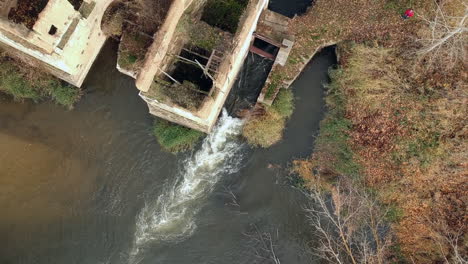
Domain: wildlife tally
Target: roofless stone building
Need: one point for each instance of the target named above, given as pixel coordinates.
(188, 70)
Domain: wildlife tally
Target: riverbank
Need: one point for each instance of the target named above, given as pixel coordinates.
(327, 23)
(78, 181)
(395, 124)
(399, 133)
(24, 83)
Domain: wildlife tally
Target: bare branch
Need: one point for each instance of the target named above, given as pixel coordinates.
(444, 40)
(348, 225)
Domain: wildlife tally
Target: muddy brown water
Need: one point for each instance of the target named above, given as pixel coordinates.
(74, 184)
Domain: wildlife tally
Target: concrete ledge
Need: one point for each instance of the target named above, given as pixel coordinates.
(287, 84)
(72, 61)
(123, 71)
(205, 118)
(160, 45)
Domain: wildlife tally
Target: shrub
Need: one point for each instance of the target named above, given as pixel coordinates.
(15, 85)
(175, 138)
(65, 95)
(264, 130)
(275, 81)
(224, 14)
(267, 129)
(127, 59)
(26, 83)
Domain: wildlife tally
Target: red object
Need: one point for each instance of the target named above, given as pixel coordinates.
(261, 52)
(409, 13)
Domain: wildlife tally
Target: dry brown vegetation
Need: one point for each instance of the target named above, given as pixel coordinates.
(339, 20)
(397, 117)
(404, 136)
(266, 124)
(27, 12)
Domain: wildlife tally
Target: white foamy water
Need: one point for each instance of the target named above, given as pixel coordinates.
(171, 215)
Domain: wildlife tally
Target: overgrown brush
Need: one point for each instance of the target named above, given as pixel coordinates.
(401, 141)
(175, 138)
(266, 129)
(27, 83)
(224, 14)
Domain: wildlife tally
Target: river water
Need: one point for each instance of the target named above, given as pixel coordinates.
(91, 185)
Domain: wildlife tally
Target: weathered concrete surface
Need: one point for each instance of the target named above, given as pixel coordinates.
(73, 59)
(205, 118)
(162, 41)
(275, 26)
(286, 85)
(6, 6)
(234, 63)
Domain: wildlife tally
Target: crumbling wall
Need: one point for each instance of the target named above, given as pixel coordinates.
(162, 41)
(205, 118)
(232, 65)
(70, 52)
(175, 114)
(58, 14)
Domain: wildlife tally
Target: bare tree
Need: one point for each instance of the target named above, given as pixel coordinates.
(231, 194)
(263, 245)
(449, 242)
(444, 42)
(349, 225)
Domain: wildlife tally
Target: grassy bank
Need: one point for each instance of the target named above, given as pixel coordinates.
(28, 83)
(335, 21)
(396, 120)
(175, 138)
(401, 136)
(265, 127)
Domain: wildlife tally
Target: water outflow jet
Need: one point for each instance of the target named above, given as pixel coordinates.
(249, 83)
(171, 215)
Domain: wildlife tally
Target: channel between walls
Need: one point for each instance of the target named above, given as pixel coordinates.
(205, 118)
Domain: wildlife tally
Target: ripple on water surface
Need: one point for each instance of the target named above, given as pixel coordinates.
(171, 216)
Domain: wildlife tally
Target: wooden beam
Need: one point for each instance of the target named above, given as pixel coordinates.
(170, 77)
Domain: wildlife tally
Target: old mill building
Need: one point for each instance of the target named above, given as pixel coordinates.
(64, 37)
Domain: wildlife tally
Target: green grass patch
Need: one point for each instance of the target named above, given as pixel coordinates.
(284, 103)
(424, 148)
(127, 59)
(394, 214)
(334, 131)
(26, 83)
(275, 81)
(333, 139)
(175, 138)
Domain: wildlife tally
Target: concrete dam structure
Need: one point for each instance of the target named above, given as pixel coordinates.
(189, 68)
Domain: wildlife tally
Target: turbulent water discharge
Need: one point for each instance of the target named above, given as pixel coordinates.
(171, 215)
(92, 186)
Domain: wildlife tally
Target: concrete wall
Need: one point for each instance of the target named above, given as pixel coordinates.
(162, 41)
(236, 60)
(206, 117)
(58, 13)
(72, 61)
